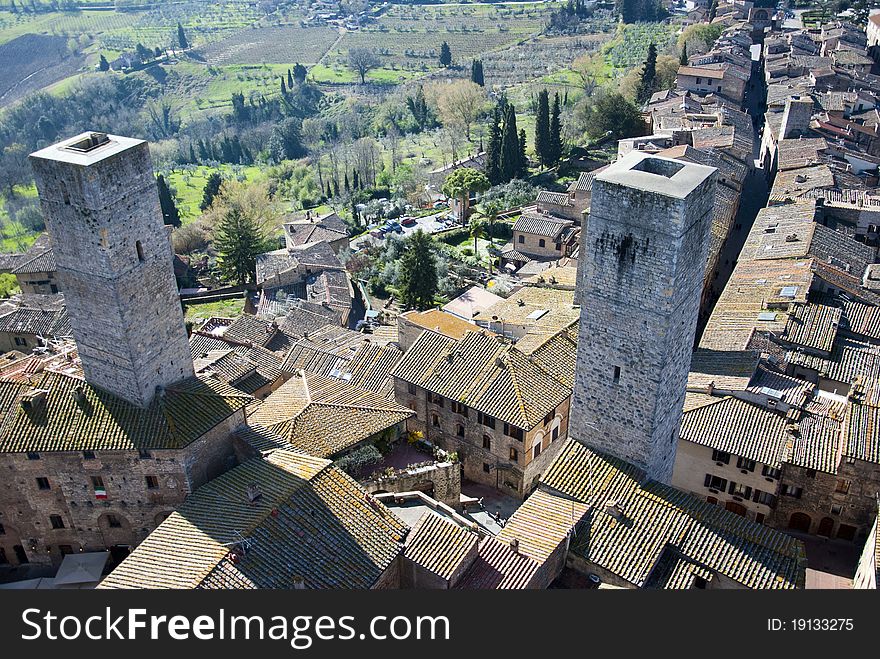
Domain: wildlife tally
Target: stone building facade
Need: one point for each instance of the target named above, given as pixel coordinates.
(99, 198)
(54, 503)
(644, 251)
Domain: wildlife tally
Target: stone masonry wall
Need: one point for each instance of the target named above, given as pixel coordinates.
(644, 254)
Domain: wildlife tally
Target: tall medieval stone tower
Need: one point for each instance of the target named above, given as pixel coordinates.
(101, 207)
(644, 256)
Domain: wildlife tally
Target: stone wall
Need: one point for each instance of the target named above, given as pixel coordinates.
(442, 481)
(644, 254)
(132, 509)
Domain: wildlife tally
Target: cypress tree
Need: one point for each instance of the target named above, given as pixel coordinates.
(542, 128)
(477, 73)
(104, 65)
(289, 79)
(355, 181)
(649, 73)
(493, 153)
(555, 147)
(445, 55)
(212, 188)
(345, 184)
(683, 58)
(170, 214)
(523, 158)
(511, 154)
(283, 88)
(181, 37)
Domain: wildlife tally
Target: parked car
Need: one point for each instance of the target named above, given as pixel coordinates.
(393, 226)
(408, 221)
(439, 204)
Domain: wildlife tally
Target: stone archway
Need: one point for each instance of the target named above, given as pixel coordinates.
(800, 522)
(826, 527)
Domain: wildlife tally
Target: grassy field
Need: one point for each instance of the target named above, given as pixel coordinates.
(197, 313)
(189, 185)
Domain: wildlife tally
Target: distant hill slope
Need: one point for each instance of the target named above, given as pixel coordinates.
(31, 62)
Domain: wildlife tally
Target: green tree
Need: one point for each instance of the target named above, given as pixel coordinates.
(477, 73)
(477, 230)
(511, 155)
(555, 146)
(103, 64)
(490, 210)
(445, 55)
(461, 183)
(713, 9)
(613, 114)
(289, 79)
(649, 74)
(238, 241)
(212, 189)
(523, 158)
(417, 281)
(493, 150)
(542, 128)
(362, 61)
(683, 57)
(170, 214)
(299, 73)
(181, 37)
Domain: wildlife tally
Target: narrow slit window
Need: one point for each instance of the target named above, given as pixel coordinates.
(140, 251)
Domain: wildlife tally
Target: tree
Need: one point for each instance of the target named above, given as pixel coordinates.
(417, 280)
(523, 158)
(238, 240)
(493, 150)
(181, 38)
(490, 210)
(286, 140)
(170, 214)
(445, 55)
(511, 164)
(103, 64)
(713, 9)
(477, 73)
(212, 189)
(283, 88)
(459, 103)
(362, 61)
(683, 57)
(542, 128)
(418, 107)
(555, 148)
(289, 79)
(299, 73)
(477, 230)
(613, 114)
(649, 73)
(461, 183)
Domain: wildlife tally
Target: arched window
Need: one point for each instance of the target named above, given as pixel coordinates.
(459, 430)
(487, 442)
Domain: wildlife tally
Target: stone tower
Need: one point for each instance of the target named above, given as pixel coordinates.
(101, 207)
(644, 256)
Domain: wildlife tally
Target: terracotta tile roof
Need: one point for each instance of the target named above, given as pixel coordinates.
(729, 370)
(849, 358)
(43, 261)
(97, 420)
(325, 416)
(485, 374)
(694, 400)
(575, 491)
(798, 153)
(701, 72)
(498, 567)
(553, 198)
(440, 321)
(302, 232)
(584, 182)
(541, 225)
(247, 368)
(861, 319)
(794, 391)
(42, 322)
(8, 262)
(861, 433)
(738, 427)
(812, 326)
(558, 354)
(817, 444)
(248, 329)
(564, 277)
(311, 522)
(795, 183)
(440, 546)
(544, 310)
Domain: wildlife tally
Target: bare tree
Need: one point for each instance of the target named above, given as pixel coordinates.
(459, 103)
(362, 61)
